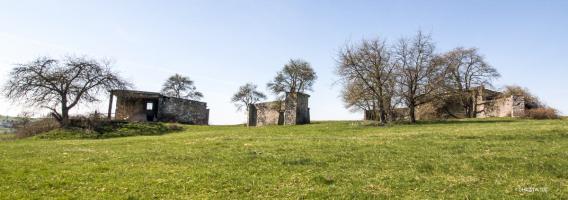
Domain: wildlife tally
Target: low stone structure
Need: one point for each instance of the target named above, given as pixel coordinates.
(487, 103)
(494, 104)
(292, 110)
(144, 106)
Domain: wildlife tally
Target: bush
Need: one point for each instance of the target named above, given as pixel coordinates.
(542, 113)
(147, 128)
(30, 128)
(112, 130)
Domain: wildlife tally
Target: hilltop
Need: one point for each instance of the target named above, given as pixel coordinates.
(462, 159)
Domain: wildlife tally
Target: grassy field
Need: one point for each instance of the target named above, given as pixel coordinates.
(5, 134)
(472, 159)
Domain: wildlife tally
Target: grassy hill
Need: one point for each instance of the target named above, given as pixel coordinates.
(496, 158)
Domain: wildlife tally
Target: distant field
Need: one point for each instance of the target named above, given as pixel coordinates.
(470, 159)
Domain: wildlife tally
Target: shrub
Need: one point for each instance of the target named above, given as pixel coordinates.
(531, 100)
(111, 130)
(142, 128)
(93, 122)
(542, 113)
(30, 127)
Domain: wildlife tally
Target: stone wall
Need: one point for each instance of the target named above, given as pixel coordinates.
(496, 106)
(268, 113)
(519, 105)
(293, 110)
(302, 109)
(502, 107)
(134, 105)
(182, 110)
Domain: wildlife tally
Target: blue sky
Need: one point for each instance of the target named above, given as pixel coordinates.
(224, 44)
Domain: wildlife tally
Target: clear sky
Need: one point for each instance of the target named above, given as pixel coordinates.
(224, 44)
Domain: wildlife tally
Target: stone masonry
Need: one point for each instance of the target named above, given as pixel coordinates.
(292, 110)
(488, 103)
(143, 106)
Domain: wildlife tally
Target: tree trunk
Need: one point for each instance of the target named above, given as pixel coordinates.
(64, 121)
(64, 117)
(382, 115)
(412, 113)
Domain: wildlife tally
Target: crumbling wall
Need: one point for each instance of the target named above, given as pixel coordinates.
(293, 110)
(440, 110)
(512, 106)
(251, 115)
(130, 109)
(268, 113)
(182, 110)
(290, 109)
(302, 109)
(519, 105)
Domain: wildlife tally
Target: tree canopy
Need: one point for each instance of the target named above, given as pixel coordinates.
(296, 76)
(181, 87)
(247, 95)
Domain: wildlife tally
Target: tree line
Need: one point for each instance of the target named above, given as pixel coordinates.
(380, 76)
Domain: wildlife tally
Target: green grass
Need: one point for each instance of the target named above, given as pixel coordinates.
(6, 135)
(471, 159)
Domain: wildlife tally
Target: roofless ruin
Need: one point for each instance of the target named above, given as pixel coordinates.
(142, 106)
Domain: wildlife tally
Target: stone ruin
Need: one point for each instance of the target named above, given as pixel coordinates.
(141, 106)
(487, 103)
(292, 110)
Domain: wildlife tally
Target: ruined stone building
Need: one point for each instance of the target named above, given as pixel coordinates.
(487, 103)
(292, 110)
(143, 106)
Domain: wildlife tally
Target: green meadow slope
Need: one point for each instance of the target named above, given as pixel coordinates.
(470, 159)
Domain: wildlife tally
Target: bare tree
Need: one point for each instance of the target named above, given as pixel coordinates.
(296, 76)
(466, 70)
(356, 96)
(181, 87)
(247, 95)
(418, 76)
(61, 85)
(369, 64)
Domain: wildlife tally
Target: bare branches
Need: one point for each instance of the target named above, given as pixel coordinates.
(466, 69)
(378, 77)
(418, 76)
(367, 66)
(61, 85)
(247, 95)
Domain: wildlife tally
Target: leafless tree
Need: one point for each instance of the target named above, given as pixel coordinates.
(466, 70)
(60, 85)
(418, 76)
(356, 96)
(181, 87)
(369, 63)
(247, 95)
(296, 76)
